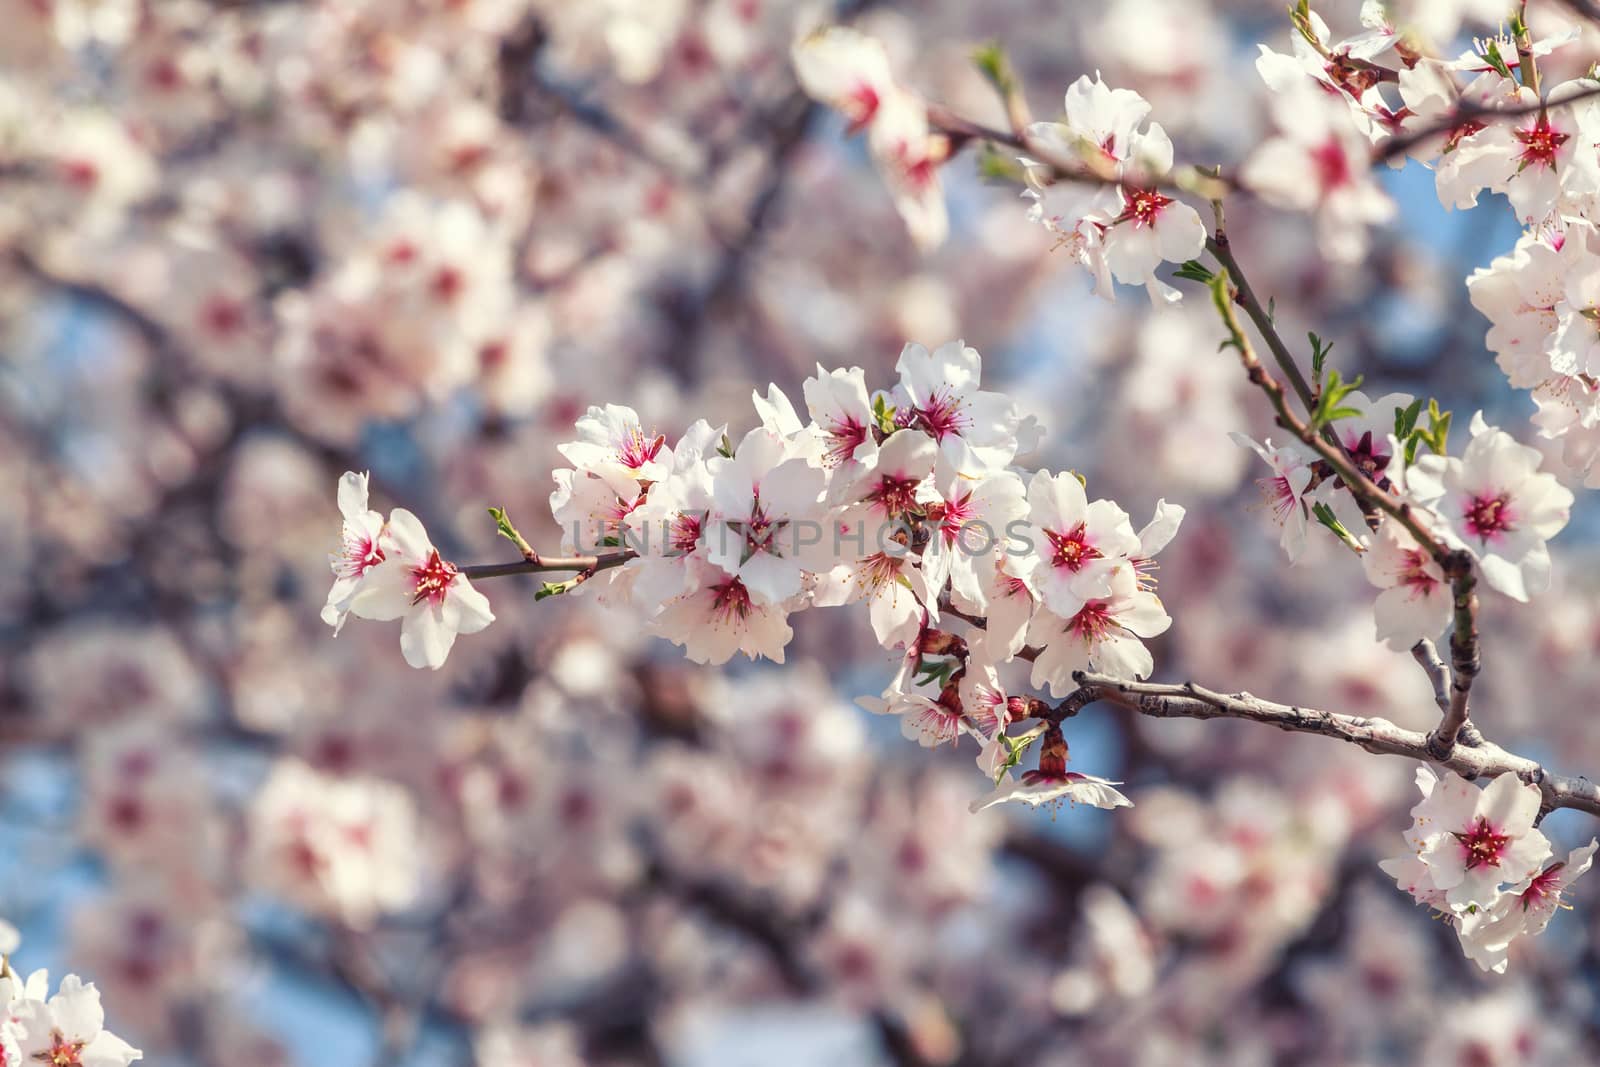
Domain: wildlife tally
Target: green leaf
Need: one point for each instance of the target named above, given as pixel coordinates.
(1491, 54)
(1330, 407)
(725, 447)
(883, 412)
(549, 589)
(1405, 419)
(503, 526)
(1436, 436)
(997, 166)
(991, 61)
(1319, 355)
(1194, 271)
(1324, 514)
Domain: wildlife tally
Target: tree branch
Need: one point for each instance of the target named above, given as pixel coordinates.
(1456, 563)
(1190, 701)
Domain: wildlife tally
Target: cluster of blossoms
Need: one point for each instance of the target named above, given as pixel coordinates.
(63, 1030)
(1128, 227)
(1543, 304)
(906, 501)
(1477, 858)
(1492, 501)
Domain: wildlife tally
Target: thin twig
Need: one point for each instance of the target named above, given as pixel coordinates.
(542, 564)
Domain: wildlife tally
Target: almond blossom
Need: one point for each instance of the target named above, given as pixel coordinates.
(1472, 840)
(1104, 634)
(1284, 493)
(1526, 908)
(717, 615)
(847, 70)
(972, 513)
(1416, 601)
(428, 593)
(612, 444)
(1076, 545)
(667, 528)
(1496, 502)
(1130, 235)
(69, 1030)
(842, 413)
(360, 548)
(938, 393)
(763, 502)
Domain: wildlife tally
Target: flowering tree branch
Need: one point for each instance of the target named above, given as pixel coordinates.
(1456, 563)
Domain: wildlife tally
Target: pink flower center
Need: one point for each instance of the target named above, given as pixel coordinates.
(859, 106)
(1414, 572)
(1544, 890)
(1482, 845)
(61, 1053)
(222, 316)
(1093, 621)
(1488, 516)
(944, 414)
(938, 722)
(432, 580)
(878, 570)
(636, 450)
(1540, 143)
(1144, 206)
(844, 437)
(730, 601)
(359, 554)
(1331, 164)
(895, 494)
(952, 517)
(1072, 549)
(685, 533)
(1279, 496)
(447, 285)
(82, 174)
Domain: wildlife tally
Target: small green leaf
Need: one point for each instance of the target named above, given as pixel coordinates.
(725, 447)
(1405, 419)
(1491, 54)
(997, 166)
(549, 589)
(1330, 406)
(1324, 514)
(991, 61)
(1194, 271)
(1319, 355)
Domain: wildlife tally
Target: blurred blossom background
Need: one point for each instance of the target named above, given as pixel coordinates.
(246, 246)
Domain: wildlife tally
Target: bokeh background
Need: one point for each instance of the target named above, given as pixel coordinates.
(246, 246)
